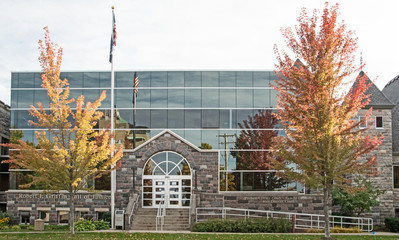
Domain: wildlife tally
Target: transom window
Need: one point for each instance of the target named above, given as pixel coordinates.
(167, 163)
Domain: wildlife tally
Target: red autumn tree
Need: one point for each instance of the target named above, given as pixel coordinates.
(256, 137)
(323, 138)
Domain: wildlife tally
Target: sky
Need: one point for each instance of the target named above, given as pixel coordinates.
(182, 34)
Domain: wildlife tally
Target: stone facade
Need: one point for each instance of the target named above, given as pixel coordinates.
(383, 154)
(35, 201)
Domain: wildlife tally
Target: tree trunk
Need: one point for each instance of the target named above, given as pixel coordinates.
(72, 212)
(326, 192)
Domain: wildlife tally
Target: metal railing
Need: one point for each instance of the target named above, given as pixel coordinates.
(160, 220)
(299, 220)
(135, 204)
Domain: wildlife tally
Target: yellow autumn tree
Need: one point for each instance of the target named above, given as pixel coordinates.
(75, 152)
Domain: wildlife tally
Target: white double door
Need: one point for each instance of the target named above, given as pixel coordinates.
(175, 192)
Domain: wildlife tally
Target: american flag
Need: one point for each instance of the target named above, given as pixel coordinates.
(113, 36)
(136, 83)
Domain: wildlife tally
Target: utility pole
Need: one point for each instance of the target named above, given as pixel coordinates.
(225, 142)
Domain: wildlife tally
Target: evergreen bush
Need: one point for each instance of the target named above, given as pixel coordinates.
(245, 226)
(392, 223)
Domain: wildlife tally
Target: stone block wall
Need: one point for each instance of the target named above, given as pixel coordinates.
(34, 201)
(383, 180)
(204, 162)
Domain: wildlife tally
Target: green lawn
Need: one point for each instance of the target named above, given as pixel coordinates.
(119, 235)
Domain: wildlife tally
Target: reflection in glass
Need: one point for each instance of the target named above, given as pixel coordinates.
(244, 79)
(227, 79)
(210, 118)
(75, 79)
(175, 98)
(91, 79)
(159, 119)
(210, 79)
(159, 79)
(26, 80)
(159, 98)
(192, 98)
(105, 79)
(124, 79)
(192, 118)
(175, 79)
(192, 79)
(227, 98)
(245, 97)
(25, 98)
(41, 96)
(124, 98)
(261, 79)
(210, 98)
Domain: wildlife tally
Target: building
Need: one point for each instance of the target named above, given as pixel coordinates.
(188, 128)
(4, 138)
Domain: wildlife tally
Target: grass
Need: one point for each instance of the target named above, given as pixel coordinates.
(188, 236)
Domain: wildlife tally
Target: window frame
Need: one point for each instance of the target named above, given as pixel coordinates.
(360, 125)
(382, 122)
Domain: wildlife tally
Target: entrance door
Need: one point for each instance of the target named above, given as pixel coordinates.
(167, 177)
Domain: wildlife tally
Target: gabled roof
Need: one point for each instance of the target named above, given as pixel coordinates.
(175, 135)
(391, 90)
(377, 98)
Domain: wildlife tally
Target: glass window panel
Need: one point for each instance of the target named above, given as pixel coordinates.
(103, 182)
(261, 98)
(272, 78)
(210, 79)
(75, 79)
(63, 217)
(147, 203)
(159, 79)
(231, 138)
(106, 103)
(160, 157)
(175, 98)
(159, 98)
(193, 136)
(144, 79)
(186, 182)
(41, 96)
(126, 115)
(159, 119)
(244, 79)
(396, 176)
(175, 79)
(124, 98)
(38, 80)
(227, 118)
(105, 79)
(175, 118)
(147, 182)
(14, 80)
(173, 157)
(273, 98)
(143, 98)
(14, 118)
(192, 79)
(210, 98)
(155, 132)
(124, 79)
(91, 80)
(261, 79)
(192, 98)
(185, 168)
(142, 118)
(23, 119)
(210, 137)
(227, 98)
(243, 115)
(185, 203)
(26, 80)
(192, 118)
(173, 169)
(14, 99)
(25, 98)
(91, 95)
(227, 79)
(378, 122)
(245, 97)
(210, 118)
(75, 93)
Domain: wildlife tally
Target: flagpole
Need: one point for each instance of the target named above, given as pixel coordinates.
(134, 110)
(113, 172)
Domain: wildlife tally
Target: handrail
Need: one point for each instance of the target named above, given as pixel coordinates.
(136, 203)
(300, 220)
(161, 212)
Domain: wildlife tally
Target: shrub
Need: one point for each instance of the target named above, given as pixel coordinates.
(84, 225)
(56, 227)
(4, 219)
(5, 228)
(392, 223)
(244, 226)
(16, 228)
(30, 227)
(101, 225)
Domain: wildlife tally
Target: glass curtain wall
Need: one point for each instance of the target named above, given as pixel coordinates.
(222, 110)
